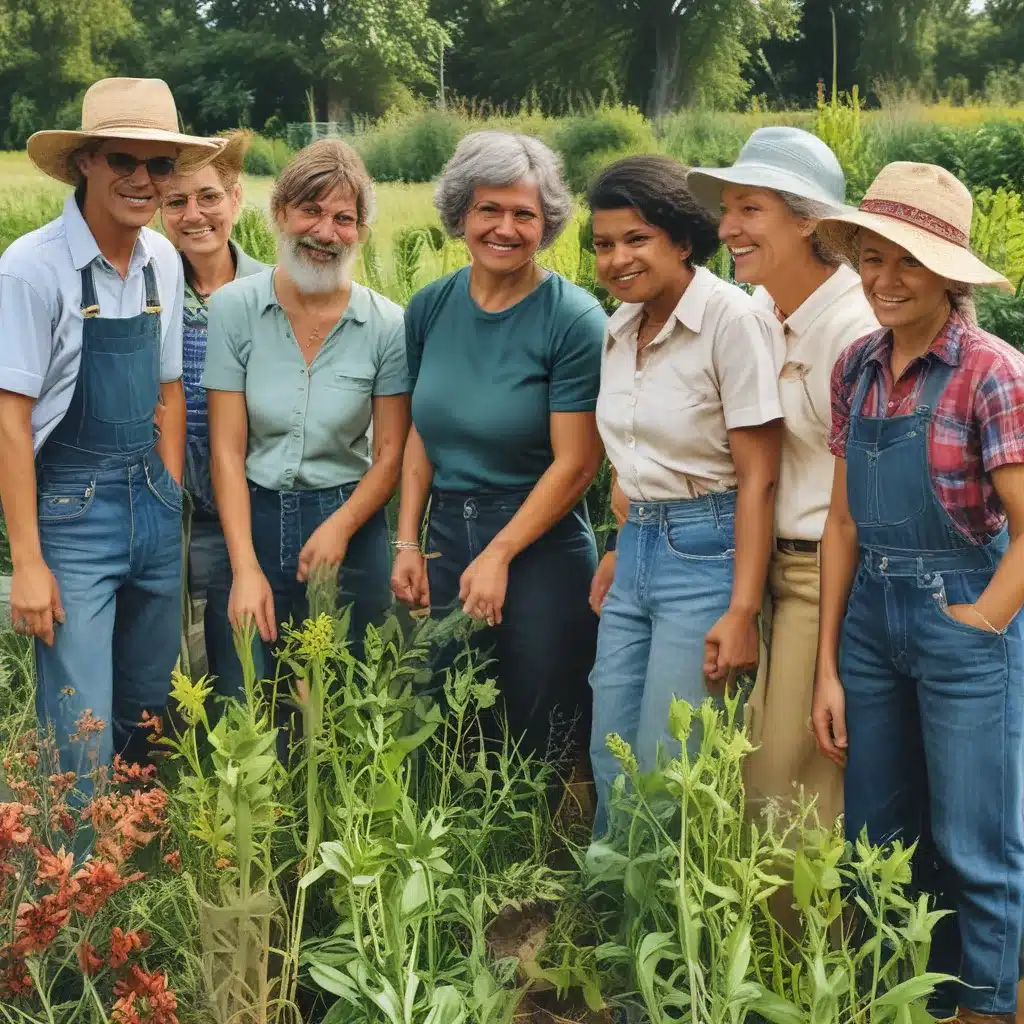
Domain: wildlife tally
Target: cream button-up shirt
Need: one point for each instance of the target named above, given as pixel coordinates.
(665, 417)
(832, 317)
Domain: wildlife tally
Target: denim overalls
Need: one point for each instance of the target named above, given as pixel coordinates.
(110, 528)
(933, 705)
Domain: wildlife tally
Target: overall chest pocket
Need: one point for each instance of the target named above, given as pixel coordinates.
(887, 483)
(122, 375)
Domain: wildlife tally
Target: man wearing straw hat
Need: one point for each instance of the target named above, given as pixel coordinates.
(90, 344)
(920, 681)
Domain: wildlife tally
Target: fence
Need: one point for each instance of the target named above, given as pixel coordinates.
(302, 133)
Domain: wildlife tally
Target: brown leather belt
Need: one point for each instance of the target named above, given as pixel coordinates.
(808, 547)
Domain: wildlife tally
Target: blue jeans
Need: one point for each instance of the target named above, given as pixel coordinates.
(282, 522)
(544, 647)
(209, 580)
(111, 534)
(936, 754)
(673, 581)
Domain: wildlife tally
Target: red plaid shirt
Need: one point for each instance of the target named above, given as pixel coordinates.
(977, 426)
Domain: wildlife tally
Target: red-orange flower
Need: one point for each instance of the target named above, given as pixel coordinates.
(62, 783)
(88, 959)
(86, 725)
(14, 830)
(96, 883)
(125, 772)
(158, 1002)
(53, 868)
(154, 723)
(173, 860)
(14, 977)
(38, 923)
(122, 944)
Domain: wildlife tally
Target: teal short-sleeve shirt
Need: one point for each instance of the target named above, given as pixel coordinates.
(309, 427)
(486, 384)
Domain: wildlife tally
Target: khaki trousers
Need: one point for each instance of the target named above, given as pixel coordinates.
(779, 708)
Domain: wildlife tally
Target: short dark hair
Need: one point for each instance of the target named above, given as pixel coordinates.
(655, 186)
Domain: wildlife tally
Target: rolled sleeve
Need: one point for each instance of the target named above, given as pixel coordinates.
(840, 400)
(576, 367)
(747, 375)
(999, 412)
(171, 350)
(392, 365)
(26, 336)
(226, 349)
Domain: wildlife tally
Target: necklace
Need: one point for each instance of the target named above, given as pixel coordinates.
(314, 338)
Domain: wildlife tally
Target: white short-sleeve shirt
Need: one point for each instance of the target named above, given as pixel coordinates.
(835, 315)
(712, 368)
(41, 309)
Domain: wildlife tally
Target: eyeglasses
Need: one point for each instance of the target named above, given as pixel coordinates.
(208, 199)
(124, 165)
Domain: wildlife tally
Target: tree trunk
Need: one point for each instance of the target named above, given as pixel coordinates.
(665, 86)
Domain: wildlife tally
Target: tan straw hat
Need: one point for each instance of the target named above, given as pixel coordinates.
(923, 209)
(121, 108)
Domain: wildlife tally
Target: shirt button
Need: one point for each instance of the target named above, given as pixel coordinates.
(632, 401)
(303, 371)
(631, 441)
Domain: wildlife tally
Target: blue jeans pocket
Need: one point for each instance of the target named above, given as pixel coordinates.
(163, 486)
(65, 501)
(700, 541)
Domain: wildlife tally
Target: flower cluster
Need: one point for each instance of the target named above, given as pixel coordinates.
(47, 907)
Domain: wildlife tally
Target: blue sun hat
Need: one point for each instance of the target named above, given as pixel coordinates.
(781, 159)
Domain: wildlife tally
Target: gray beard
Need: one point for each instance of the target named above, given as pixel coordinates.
(314, 278)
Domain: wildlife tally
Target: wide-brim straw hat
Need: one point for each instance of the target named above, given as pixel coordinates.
(121, 108)
(921, 208)
(779, 158)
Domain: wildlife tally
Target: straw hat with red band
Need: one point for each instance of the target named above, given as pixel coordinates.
(923, 209)
(137, 109)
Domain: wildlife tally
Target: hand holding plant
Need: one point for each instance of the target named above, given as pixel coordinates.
(327, 546)
(252, 600)
(483, 586)
(409, 580)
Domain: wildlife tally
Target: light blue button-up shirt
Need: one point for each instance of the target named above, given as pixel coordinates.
(309, 427)
(41, 302)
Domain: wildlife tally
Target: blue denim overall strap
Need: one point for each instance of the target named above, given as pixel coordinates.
(892, 499)
(118, 384)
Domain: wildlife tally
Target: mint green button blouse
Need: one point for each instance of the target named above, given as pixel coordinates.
(309, 427)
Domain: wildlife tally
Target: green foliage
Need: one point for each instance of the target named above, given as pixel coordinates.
(686, 881)
(21, 212)
(840, 125)
(997, 232)
(586, 139)
(1002, 314)
(253, 233)
(411, 149)
(267, 156)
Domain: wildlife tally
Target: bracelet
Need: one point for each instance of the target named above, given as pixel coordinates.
(405, 545)
(974, 608)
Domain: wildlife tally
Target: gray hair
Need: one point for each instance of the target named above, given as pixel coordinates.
(497, 159)
(813, 209)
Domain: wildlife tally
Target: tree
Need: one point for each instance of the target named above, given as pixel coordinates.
(51, 51)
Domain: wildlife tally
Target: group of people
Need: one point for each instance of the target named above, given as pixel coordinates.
(819, 478)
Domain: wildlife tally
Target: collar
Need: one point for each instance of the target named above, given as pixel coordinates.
(689, 310)
(947, 346)
(829, 292)
(358, 307)
(84, 249)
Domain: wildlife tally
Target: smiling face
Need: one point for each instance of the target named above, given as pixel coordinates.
(199, 211)
(636, 261)
(129, 200)
(761, 232)
(903, 292)
(504, 226)
(319, 240)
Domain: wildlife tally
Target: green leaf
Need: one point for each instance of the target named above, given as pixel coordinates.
(912, 990)
(330, 979)
(415, 892)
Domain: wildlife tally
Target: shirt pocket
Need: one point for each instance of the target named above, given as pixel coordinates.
(351, 382)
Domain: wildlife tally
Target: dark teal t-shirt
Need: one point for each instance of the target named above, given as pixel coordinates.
(487, 383)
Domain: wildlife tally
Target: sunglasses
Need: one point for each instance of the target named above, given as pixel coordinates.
(124, 165)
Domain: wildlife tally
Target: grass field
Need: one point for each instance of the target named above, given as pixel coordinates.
(398, 205)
